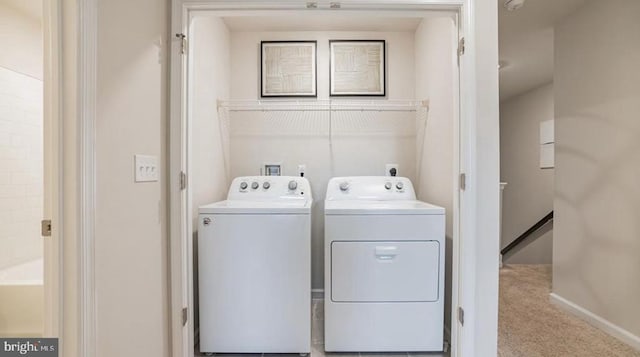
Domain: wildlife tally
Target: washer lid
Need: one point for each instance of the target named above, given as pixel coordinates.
(360, 207)
(258, 207)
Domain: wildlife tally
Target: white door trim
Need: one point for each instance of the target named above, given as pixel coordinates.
(53, 204)
(181, 334)
(478, 125)
(457, 193)
(87, 91)
(479, 201)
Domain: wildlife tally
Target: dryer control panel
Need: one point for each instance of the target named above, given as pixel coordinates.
(370, 188)
(267, 188)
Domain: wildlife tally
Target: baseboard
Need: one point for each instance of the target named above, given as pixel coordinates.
(597, 321)
(317, 294)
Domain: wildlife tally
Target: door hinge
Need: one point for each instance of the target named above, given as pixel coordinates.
(45, 227)
(463, 181)
(185, 315)
(183, 42)
(183, 180)
(461, 315)
(460, 49)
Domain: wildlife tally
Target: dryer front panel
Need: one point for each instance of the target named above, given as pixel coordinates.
(385, 271)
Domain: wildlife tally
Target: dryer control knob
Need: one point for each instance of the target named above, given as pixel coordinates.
(255, 185)
(388, 185)
(243, 185)
(344, 186)
(293, 185)
(266, 185)
(399, 185)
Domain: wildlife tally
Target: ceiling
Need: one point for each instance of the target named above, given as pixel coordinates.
(526, 43)
(30, 8)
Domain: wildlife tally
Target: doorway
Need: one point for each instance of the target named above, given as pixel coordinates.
(184, 176)
(28, 170)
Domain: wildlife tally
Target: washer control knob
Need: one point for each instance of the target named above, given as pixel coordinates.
(293, 185)
(243, 185)
(399, 185)
(266, 185)
(255, 185)
(344, 186)
(388, 185)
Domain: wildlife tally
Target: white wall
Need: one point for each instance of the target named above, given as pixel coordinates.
(131, 277)
(597, 197)
(529, 194)
(21, 125)
(434, 63)
(21, 164)
(363, 142)
(21, 39)
(209, 79)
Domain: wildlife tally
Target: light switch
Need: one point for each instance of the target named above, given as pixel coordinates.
(146, 168)
(546, 132)
(547, 154)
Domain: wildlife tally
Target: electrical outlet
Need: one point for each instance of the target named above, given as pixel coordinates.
(146, 168)
(272, 169)
(392, 170)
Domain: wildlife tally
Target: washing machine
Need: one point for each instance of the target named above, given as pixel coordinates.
(384, 267)
(254, 268)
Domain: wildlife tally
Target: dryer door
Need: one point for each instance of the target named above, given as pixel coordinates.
(385, 271)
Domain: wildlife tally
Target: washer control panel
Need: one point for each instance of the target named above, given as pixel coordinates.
(377, 188)
(269, 187)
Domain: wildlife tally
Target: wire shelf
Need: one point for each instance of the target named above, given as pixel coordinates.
(272, 105)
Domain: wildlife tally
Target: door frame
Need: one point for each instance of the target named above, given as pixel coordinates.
(475, 269)
(53, 190)
(70, 88)
(86, 96)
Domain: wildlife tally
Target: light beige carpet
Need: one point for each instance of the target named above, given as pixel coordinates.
(530, 326)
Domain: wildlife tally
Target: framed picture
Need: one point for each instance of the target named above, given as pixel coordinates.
(357, 68)
(288, 69)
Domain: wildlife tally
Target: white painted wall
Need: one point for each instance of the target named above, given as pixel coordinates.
(21, 169)
(209, 79)
(21, 163)
(529, 194)
(435, 65)
(21, 125)
(21, 39)
(597, 197)
(363, 142)
(131, 273)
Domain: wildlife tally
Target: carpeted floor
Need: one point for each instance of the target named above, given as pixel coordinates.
(530, 326)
